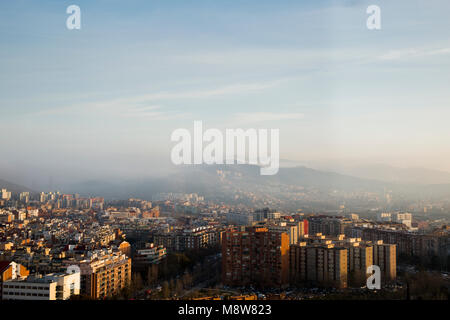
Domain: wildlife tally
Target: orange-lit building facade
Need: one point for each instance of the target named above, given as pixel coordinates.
(105, 275)
(255, 256)
(10, 270)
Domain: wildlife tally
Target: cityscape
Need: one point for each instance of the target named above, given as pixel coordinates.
(209, 159)
(56, 246)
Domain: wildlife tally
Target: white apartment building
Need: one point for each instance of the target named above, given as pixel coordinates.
(6, 195)
(54, 286)
(404, 218)
(384, 216)
(150, 255)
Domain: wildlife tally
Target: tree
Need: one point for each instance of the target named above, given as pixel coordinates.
(179, 287)
(136, 282)
(165, 291)
(187, 280)
(435, 262)
(152, 274)
(172, 285)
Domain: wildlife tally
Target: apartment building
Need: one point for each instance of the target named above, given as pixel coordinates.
(385, 256)
(359, 254)
(360, 257)
(193, 239)
(406, 242)
(318, 264)
(6, 195)
(104, 274)
(290, 230)
(10, 270)
(255, 256)
(328, 225)
(165, 239)
(188, 239)
(150, 255)
(240, 219)
(55, 286)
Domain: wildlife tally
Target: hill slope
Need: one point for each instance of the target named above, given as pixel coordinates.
(15, 188)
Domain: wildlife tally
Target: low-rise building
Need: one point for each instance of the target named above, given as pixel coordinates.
(150, 255)
(55, 286)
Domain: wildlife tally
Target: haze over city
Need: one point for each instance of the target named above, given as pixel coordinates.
(101, 102)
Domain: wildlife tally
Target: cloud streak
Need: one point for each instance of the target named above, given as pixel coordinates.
(413, 53)
(258, 117)
(143, 105)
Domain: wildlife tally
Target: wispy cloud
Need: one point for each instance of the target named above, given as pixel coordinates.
(208, 93)
(265, 57)
(106, 108)
(413, 53)
(144, 105)
(258, 117)
(141, 112)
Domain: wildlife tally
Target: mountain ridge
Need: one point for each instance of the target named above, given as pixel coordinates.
(13, 187)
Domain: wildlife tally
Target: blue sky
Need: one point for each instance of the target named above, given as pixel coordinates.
(104, 99)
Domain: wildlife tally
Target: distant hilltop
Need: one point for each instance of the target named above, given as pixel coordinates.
(12, 187)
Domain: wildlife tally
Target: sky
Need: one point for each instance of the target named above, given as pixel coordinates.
(102, 101)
